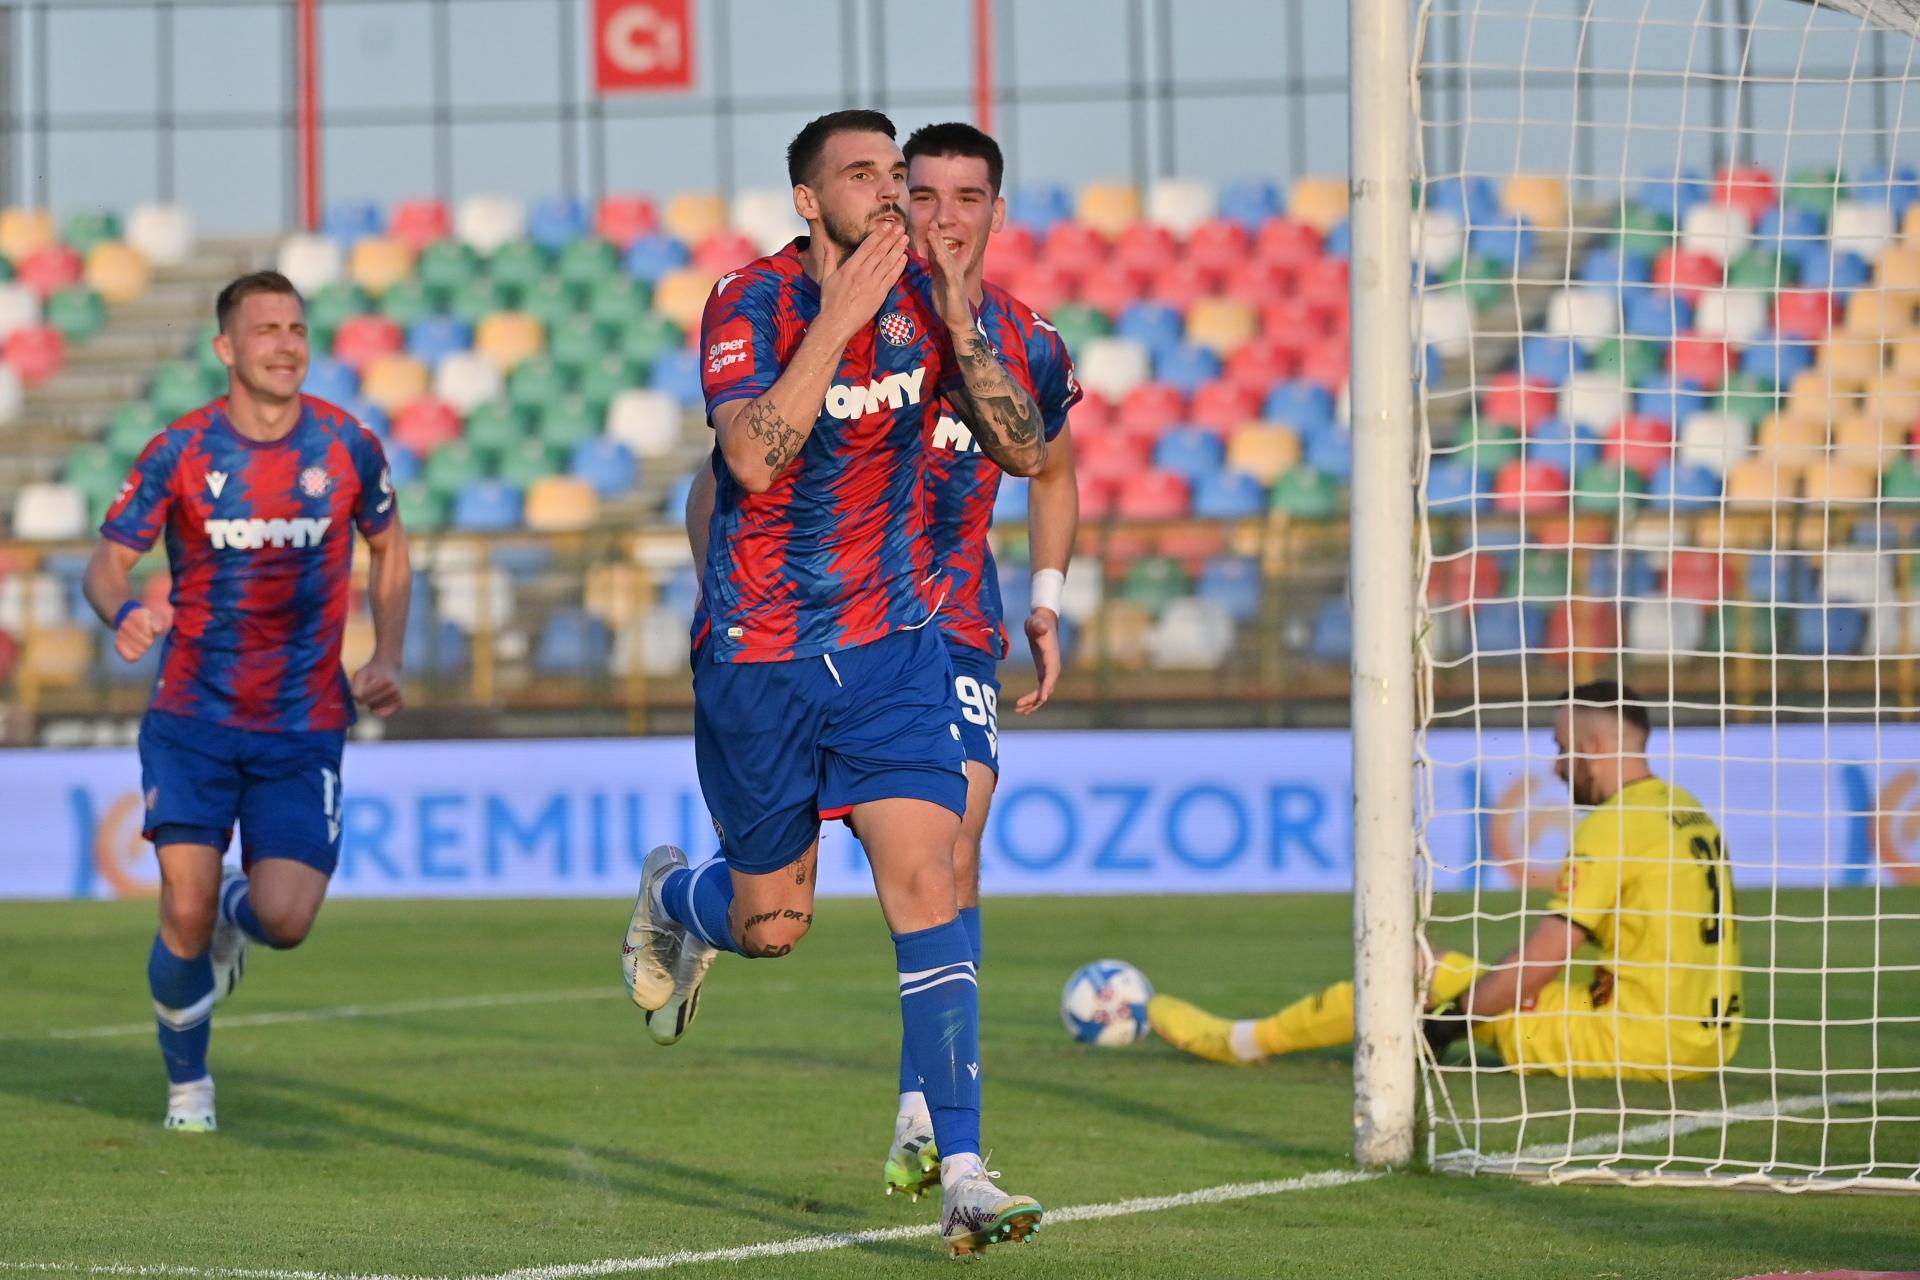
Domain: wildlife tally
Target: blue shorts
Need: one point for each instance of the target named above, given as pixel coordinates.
(976, 687)
(781, 745)
(282, 788)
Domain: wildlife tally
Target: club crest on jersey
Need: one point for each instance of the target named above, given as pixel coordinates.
(897, 328)
(314, 482)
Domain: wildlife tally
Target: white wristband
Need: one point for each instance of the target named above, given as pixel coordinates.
(1046, 588)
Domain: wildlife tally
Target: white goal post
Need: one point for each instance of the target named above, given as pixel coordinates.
(1658, 423)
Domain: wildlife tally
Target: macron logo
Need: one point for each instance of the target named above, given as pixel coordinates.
(216, 481)
(857, 400)
(255, 533)
(973, 1069)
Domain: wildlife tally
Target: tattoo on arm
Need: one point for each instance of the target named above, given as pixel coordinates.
(1006, 420)
(782, 441)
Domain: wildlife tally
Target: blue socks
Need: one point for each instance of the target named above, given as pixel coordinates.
(970, 921)
(236, 908)
(940, 1015)
(698, 897)
(183, 1007)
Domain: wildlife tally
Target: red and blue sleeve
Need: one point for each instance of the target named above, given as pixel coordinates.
(739, 338)
(1055, 389)
(375, 508)
(139, 513)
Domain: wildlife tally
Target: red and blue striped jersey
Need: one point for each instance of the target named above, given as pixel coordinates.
(962, 482)
(260, 543)
(835, 553)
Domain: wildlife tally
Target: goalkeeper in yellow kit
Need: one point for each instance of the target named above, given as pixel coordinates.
(1646, 882)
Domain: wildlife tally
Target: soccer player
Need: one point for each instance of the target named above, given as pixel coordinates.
(954, 173)
(820, 690)
(258, 495)
(1646, 882)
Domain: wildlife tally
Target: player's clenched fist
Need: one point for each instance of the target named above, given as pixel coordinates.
(376, 686)
(140, 629)
(851, 294)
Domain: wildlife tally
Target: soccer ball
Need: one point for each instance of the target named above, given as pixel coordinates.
(1105, 1003)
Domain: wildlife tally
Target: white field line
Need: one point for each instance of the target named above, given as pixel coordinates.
(228, 1022)
(1665, 1130)
(741, 1253)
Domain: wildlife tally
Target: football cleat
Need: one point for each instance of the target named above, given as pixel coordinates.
(913, 1163)
(979, 1214)
(652, 946)
(670, 1021)
(228, 948)
(190, 1106)
(1189, 1027)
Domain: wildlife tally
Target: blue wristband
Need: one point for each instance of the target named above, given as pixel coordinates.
(126, 611)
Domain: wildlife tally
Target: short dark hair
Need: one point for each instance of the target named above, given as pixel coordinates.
(804, 151)
(956, 138)
(1620, 698)
(238, 291)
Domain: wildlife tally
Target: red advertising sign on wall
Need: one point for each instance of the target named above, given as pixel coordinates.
(642, 44)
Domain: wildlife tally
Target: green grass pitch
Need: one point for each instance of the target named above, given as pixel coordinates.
(427, 1140)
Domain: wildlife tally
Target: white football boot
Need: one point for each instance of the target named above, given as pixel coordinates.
(190, 1106)
(978, 1214)
(228, 949)
(913, 1162)
(653, 944)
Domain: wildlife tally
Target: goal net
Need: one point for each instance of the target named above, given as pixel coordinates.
(1667, 287)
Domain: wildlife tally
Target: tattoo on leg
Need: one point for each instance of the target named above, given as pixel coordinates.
(804, 917)
(748, 925)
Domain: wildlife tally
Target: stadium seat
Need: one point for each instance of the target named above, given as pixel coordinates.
(1826, 631)
(1873, 314)
(681, 296)
(487, 506)
(1181, 204)
(394, 381)
(1153, 325)
(1113, 366)
(1439, 240)
(1761, 481)
(1796, 442)
(646, 421)
(466, 380)
(1680, 487)
(1250, 202)
(1608, 489)
(363, 339)
(424, 426)
(1153, 495)
(486, 223)
(32, 600)
(561, 504)
(692, 216)
(163, 233)
(1610, 264)
(1870, 441)
(1594, 399)
(623, 219)
(568, 421)
(1306, 493)
(678, 374)
(723, 251)
(19, 308)
(1233, 582)
(1189, 452)
(1715, 441)
(50, 269)
(766, 217)
(118, 272)
(1446, 322)
(1516, 401)
(77, 313)
(36, 353)
(1146, 248)
(1861, 577)
(1501, 246)
(1108, 207)
(1541, 200)
(1222, 405)
(1837, 481)
(48, 512)
(508, 337)
(1721, 232)
(1187, 368)
(1678, 627)
(379, 262)
(1737, 315)
(1191, 635)
(1039, 205)
(436, 338)
(1228, 495)
(1861, 228)
(1535, 488)
(1264, 451)
(328, 379)
(1641, 442)
(1838, 273)
(1223, 246)
(607, 465)
(556, 222)
(572, 643)
(310, 262)
(25, 231)
(13, 396)
(1702, 362)
(1149, 409)
(349, 221)
(1320, 203)
(655, 645)
(1221, 324)
(1331, 637)
(418, 223)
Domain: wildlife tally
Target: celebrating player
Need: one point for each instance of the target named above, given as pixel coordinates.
(819, 689)
(953, 194)
(254, 494)
(1647, 882)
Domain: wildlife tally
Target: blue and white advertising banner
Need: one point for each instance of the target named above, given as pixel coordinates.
(1095, 812)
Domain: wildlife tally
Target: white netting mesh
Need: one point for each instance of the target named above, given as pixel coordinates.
(1668, 282)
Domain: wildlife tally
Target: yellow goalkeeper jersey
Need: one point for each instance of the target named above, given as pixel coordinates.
(1649, 878)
